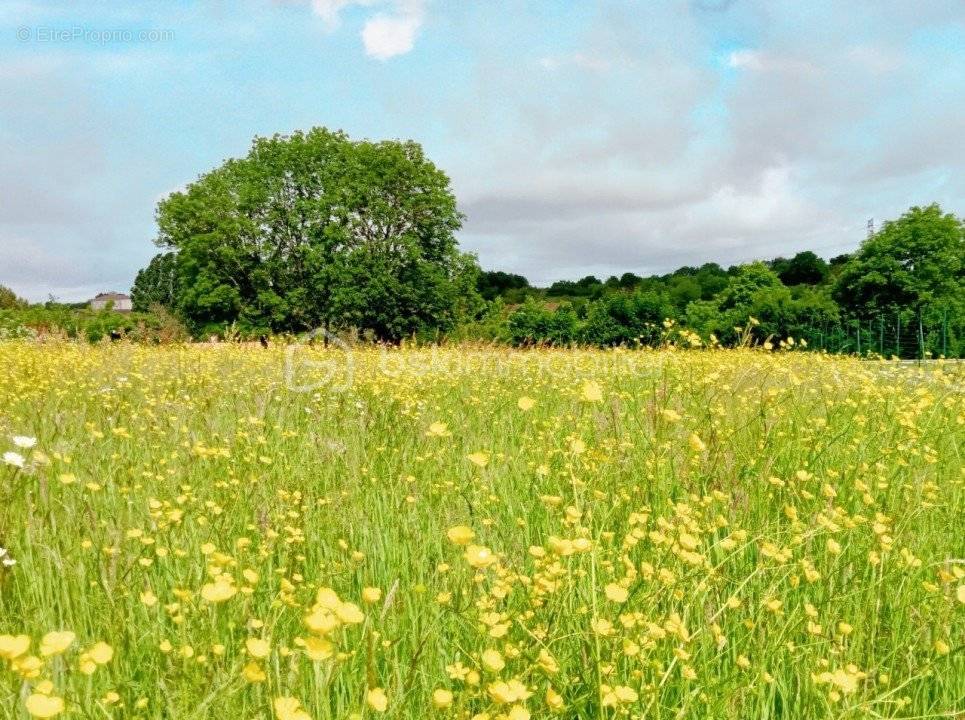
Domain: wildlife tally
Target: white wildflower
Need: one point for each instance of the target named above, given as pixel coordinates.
(15, 459)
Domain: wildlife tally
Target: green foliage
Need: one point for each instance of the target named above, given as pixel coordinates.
(587, 287)
(627, 319)
(314, 229)
(805, 268)
(703, 317)
(534, 323)
(629, 280)
(617, 319)
(756, 292)
(684, 290)
(9, 299)
(782, 314)
(156, 326)
(914, 261)
(749, 279)
(718, 304)
(496, 283)
(712, 278)
(156, 284)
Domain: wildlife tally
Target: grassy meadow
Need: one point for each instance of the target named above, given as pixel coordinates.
(232, 532)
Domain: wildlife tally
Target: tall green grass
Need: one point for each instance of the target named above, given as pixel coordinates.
(787, 530)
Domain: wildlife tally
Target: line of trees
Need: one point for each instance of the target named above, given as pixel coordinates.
(910, 274)
(315, 229)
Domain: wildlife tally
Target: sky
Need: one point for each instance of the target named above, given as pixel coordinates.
(581, 137)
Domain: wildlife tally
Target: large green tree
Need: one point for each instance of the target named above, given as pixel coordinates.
(157, 283)
(313, 229)
(913, 262)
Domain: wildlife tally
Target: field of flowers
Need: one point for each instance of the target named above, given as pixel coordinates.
(232, 532)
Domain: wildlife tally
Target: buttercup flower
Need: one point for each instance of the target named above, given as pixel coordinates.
(377, 700)
(54, 643)
(460, 535)
(44, 706)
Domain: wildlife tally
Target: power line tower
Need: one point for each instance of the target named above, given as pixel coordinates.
(871, 228)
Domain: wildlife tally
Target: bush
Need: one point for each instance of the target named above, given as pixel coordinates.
(156, 326)
(627, 319)
(535, 324)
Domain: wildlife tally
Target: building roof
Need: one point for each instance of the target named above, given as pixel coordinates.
(112, 296)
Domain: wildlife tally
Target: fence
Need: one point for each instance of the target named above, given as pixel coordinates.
(902, 333)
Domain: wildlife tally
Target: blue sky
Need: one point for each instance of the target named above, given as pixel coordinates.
(581, 137)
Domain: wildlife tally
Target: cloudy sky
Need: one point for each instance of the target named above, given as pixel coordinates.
(581, 137)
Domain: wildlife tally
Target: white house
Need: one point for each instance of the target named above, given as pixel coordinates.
(118, 301)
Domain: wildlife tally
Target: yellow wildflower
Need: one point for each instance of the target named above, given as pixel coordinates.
(480, 459)
(479, 556)
(616, 593)
(460, 535)
(441, 699)
(54, 643)
(258, 648)
(44, 706)
(592, 392)
(492, 660)
(377, 700)
(289, 708)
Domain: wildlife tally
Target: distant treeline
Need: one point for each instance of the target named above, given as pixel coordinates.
(902, 293)
(316, 230)
(683, 285)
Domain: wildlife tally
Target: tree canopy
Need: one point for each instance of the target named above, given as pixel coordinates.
(157, 283)
(910, 262)
(908, 274)
(805, 268)
(493, 283)
(314, 229)
(9, 299)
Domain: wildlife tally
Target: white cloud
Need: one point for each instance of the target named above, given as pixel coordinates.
(661, 161)
(760, 61)
(583, 61)
(328, 10)
(876, 60)
(745, 59)
(387, 35)
(773, 203)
